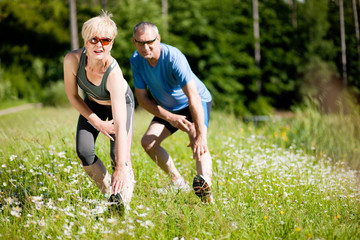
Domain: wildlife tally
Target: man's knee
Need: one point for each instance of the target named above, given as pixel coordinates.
(148, 142)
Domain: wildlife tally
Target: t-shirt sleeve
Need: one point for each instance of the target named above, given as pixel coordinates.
(138, 80)
(181, 69)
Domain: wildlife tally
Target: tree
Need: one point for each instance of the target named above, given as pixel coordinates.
(164, 4)
(257, 41)
(73, 25)
(356, 24)
(343, 44)
(292, 4)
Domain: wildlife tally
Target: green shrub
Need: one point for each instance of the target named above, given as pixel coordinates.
(54, 95)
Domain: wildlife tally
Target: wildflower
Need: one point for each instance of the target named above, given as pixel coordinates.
(338, 216)
(9, 200)
(265, 217)
(282, 212)
(61, 154)
(111, 220)
(82, 230)
(12, 157)
(16, 211)
(298, 229)
(148, 223)
(41, 222)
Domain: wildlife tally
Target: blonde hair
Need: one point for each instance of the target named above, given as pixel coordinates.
(101, 25)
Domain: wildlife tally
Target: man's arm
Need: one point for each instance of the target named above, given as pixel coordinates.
(178, 121)
(197, 113)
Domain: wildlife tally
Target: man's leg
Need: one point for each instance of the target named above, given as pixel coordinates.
(151, 141)
(204, 164)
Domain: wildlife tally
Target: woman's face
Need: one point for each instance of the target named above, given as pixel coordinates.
(99, 46)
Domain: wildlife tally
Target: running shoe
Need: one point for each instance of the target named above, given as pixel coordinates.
(202, 189)
(180, 185)
(117, 204)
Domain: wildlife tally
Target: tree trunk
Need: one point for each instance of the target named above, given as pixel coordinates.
(164, 4)
(343, 44)
(104, 4)
(257, 41)
(292, 4)
(356, 23)
(73, 25)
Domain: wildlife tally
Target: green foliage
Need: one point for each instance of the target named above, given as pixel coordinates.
(215, 36)
(261, 106)
(55, 95)
(15, 84)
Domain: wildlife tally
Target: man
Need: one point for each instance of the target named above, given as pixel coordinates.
(181, 102)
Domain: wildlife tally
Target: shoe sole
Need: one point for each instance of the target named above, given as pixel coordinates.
(202, 189)
(117, 204)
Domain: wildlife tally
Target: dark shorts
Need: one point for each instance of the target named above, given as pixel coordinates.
(186, 112)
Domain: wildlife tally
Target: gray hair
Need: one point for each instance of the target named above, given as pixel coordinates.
(141, 26)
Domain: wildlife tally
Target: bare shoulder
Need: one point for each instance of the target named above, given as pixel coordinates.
(115, 79)
(116, 73)
(73, 57)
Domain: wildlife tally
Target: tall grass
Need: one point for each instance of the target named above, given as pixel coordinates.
(264, 187)
(334, 135)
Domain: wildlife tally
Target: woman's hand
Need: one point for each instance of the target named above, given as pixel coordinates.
(106, 128)
(119, 178)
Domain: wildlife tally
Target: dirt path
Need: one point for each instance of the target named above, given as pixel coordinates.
(19, 108)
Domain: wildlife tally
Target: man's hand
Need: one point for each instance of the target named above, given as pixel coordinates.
(198, 143)
(199, 147)
(180, 122)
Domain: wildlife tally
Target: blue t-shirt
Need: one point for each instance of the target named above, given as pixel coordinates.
(165, 80)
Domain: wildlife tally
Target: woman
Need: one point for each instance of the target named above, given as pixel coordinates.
(108, 106)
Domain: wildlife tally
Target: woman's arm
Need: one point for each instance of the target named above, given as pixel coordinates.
(117, 88)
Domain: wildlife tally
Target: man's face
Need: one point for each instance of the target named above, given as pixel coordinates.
(147, 44)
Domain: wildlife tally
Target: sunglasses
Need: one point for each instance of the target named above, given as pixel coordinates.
(103, 41)
(142, 43)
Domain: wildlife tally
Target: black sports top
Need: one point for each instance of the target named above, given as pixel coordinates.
(98, 92)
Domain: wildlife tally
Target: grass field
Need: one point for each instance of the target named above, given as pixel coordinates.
(263, 189)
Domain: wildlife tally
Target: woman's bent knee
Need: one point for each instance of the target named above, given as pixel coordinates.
(87, 158)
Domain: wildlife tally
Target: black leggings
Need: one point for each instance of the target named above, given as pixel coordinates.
(86, 134)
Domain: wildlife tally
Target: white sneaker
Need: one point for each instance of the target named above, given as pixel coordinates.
(180, 185)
